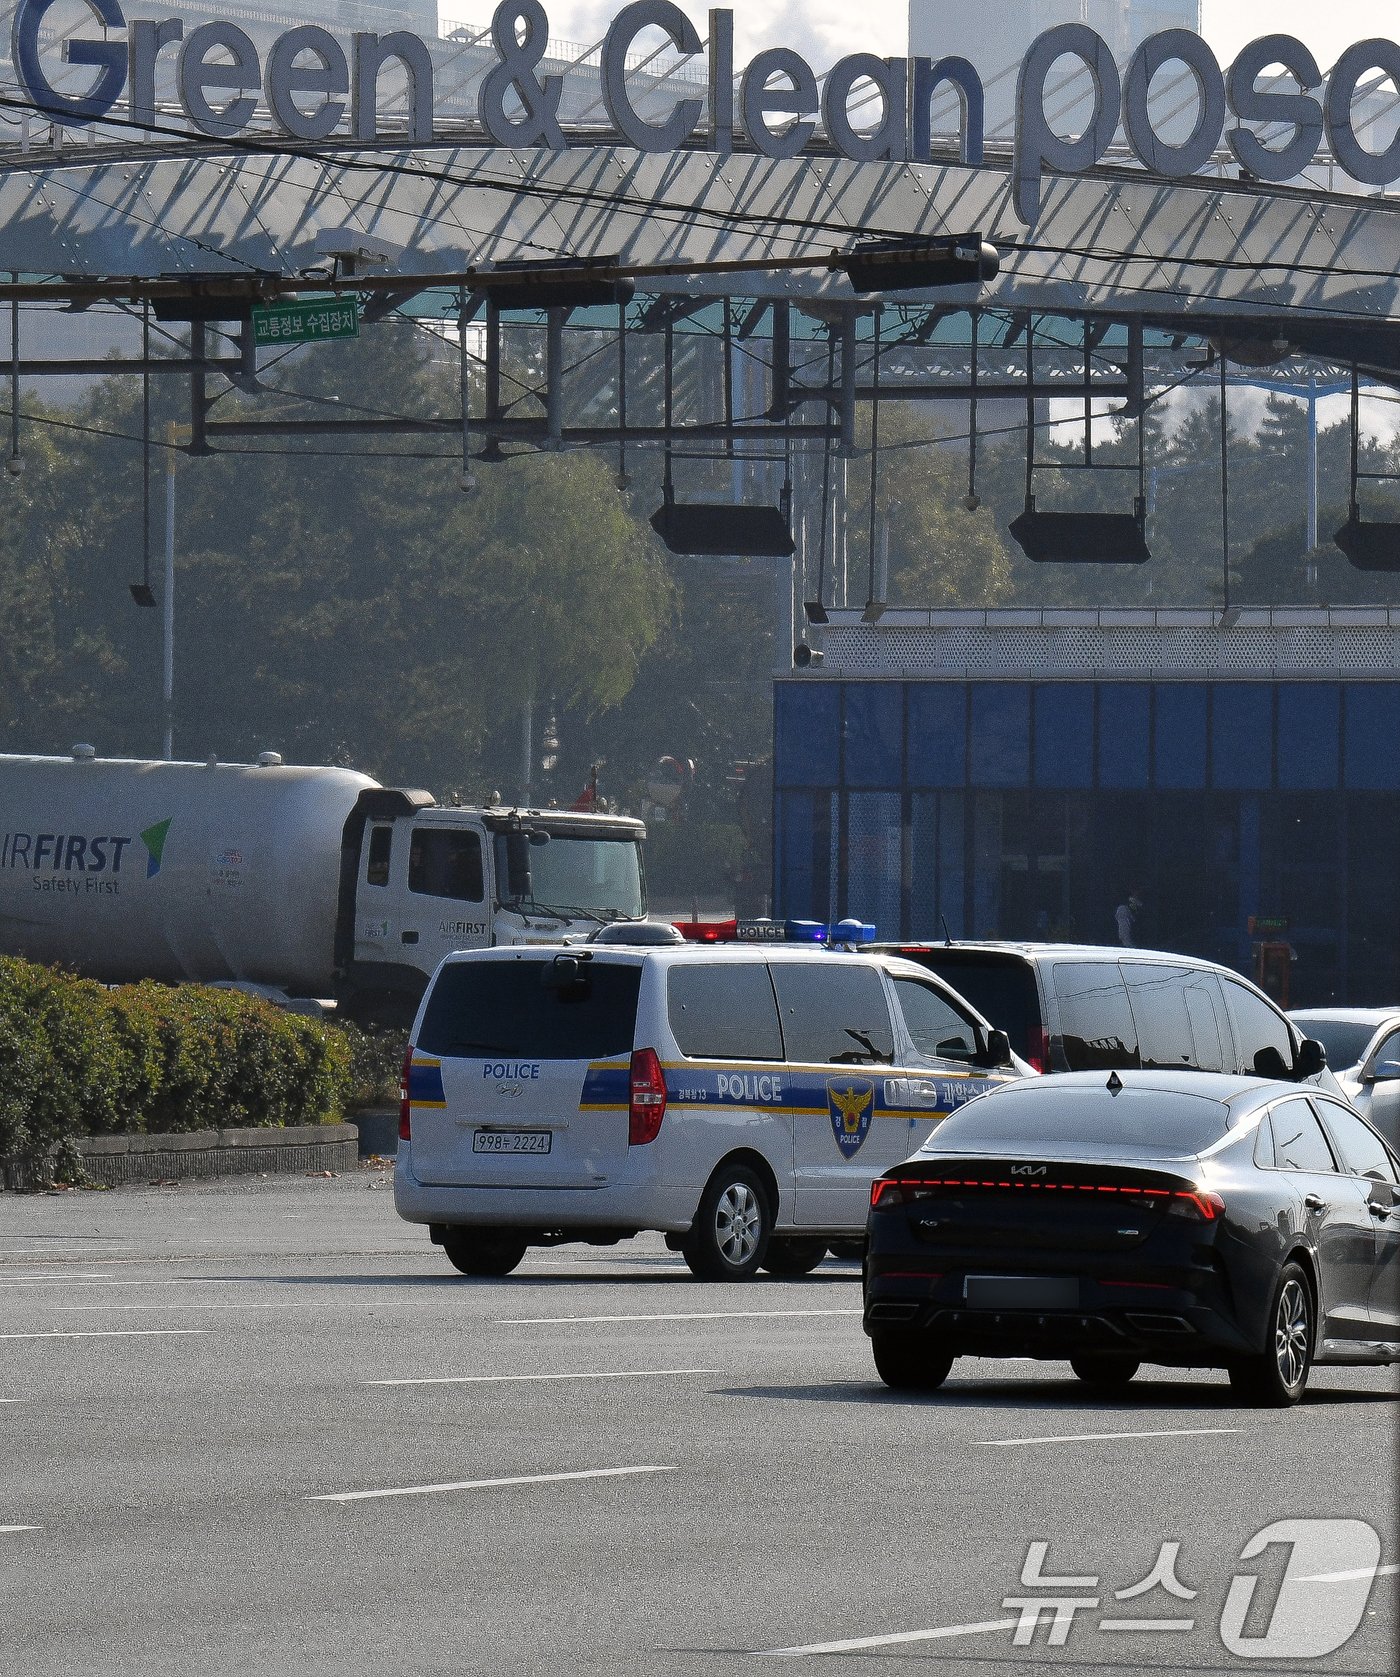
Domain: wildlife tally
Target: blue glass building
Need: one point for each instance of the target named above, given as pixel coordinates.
(1016, 775)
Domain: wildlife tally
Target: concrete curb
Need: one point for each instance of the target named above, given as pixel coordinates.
(113, 1160)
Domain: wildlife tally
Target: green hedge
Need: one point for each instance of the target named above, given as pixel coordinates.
(78, 1059)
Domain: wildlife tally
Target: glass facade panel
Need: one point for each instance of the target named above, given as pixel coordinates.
(1309, 737)
(1242, 736)
(1001, 736)
(937, 734)
(1373, 738)
(807, 735)
(1125, 737)
(1064, 735)
(1187, 809)
(1181, 737)
(874, 735)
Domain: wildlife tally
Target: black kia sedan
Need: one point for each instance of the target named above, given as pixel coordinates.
(1177, 1218)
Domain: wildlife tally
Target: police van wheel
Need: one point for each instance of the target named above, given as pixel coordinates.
(791, 1255)
(907, 1363)
(729, 1238)
(484, 1252)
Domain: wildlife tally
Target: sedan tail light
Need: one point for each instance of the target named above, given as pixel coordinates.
(647, 1103)
(1197, 1204)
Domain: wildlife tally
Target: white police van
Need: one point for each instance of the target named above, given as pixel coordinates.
(740, 1100)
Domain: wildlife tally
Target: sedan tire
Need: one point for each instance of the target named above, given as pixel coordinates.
(1103, 1370)
(1277, 1376)
(907, 1363)
(729, 1238)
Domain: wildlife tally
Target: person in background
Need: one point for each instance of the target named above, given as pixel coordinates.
(1127, 916)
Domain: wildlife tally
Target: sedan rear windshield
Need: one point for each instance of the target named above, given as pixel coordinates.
(1042, 1117)
(513, 1010)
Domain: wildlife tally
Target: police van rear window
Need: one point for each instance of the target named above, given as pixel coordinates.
(489, 1010)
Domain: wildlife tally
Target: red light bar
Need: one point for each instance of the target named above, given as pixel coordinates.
(708, 931)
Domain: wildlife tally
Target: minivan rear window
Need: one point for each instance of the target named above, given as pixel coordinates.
(489, 1010)
(1001, 987)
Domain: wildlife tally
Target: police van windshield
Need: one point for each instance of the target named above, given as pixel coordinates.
(586, 877)
(511, 1010)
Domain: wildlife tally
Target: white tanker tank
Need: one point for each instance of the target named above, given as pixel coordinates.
(309, 882)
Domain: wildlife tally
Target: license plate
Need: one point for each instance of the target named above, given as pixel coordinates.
(1020, 1292)
(512, 1141)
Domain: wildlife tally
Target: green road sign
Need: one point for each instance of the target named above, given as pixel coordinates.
(309, 322)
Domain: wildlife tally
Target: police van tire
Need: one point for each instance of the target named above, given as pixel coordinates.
(792, 1255)
(908, 1363)
(728, 1240)
(485, 1253)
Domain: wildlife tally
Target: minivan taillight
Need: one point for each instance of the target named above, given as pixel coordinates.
(405, 1105)
(1040, 1049)
(647, 1103)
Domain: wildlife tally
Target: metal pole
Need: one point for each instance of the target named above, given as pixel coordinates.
(167, 675)
(1224, 482)
(15, 465)
(527, 742)
(1312, 466)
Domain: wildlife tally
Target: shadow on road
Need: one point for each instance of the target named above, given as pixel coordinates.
(1049, 1392)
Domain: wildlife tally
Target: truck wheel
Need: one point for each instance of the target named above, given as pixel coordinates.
(1276, 1377)
(484, 1252)
(791, 1255)
(729, 1238)
(910, 1363)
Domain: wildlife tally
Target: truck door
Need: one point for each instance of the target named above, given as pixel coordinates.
(445, 907)
(376, 928)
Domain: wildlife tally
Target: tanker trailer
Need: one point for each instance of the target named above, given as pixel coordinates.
(301, 882)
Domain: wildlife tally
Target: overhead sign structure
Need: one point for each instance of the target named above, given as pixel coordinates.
(313, 87)
(308, 322)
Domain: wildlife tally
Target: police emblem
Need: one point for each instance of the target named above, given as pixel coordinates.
(852, 1106)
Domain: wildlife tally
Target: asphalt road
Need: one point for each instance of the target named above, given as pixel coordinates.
(602, 1466)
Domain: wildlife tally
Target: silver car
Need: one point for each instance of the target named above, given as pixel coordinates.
(1363, 1050)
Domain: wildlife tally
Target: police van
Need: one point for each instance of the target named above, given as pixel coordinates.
(738, 1099)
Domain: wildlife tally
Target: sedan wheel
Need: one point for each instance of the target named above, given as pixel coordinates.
(1276, 1378)
(909, 1363)
(1107, 1372)
(729, 1238)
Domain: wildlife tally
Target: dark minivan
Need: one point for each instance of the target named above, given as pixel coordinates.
(1087, 1008)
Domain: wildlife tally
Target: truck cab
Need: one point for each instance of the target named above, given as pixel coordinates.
(429, 882)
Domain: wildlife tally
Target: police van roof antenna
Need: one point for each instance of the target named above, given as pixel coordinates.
(142, 592)
(947, 935)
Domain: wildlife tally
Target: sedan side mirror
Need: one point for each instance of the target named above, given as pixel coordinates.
(1387, 1071)
(1312, 1059)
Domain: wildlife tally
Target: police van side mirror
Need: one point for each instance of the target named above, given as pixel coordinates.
(997, 1052)
(1312, 1059)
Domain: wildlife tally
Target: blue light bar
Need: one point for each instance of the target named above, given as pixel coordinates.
(854, 932)
(806, 931)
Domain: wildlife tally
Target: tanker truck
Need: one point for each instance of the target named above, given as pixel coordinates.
(298, 883)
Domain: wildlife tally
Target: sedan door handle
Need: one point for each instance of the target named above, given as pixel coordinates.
(1315, 1202)
(1380, 1211)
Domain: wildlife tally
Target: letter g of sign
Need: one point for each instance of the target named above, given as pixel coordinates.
(108, 57)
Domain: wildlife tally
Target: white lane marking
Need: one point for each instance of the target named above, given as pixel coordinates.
(490, 1484)
(856, 1644)
(72, 1280)
(522, 1379)
(1348, 1577)
(110, 1333)
(18, 1528)
(1098, 1437)
(251, 1304)
(673, 1316)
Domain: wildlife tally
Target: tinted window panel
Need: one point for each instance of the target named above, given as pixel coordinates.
(503, 1010)
(874, 735)
(1242, 737)
(936, 1028)
(1064, 736)
(724, 1013)
(1125, 735)
(1309, 736)
(1299, 1143)
(381, 846)
(1158, 996)
(823, 1003)
(1001, 987)
(447, 865)
(1373, 738)
(1261, 1035)
(1205, 1007)
(1001, 736)
(807, 728)
(1362, 1151)
(938, 734)
(1345, 1041)
(1181, 737)
(1097, 1028)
